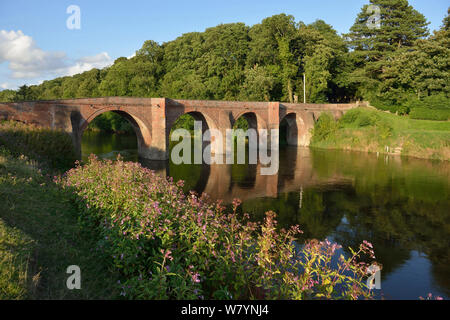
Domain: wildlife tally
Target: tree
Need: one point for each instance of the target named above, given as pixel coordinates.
(270, 46)
(151, 51)
(419, 71)
(400, 25)
(7, 95)
(207, 65)
(89, 83)
(25, 93)
(257, 85)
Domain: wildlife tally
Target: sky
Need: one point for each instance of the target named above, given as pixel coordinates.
(36, 43)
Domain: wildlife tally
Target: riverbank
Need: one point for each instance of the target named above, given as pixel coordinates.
(40, 237)
(370, 130)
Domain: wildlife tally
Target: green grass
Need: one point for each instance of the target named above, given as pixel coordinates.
(40, 237)
(369, 130)
(53, 149)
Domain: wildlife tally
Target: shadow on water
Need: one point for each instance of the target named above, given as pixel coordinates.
(401, 205)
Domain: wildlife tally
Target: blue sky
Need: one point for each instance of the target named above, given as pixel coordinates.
(35, 43)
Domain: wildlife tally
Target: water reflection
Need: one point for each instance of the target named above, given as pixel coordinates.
(399, 204)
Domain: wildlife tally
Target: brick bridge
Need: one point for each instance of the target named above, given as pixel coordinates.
(153, 118)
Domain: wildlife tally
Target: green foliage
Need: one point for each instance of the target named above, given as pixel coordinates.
(436, 102)
(264, 62)
(376, 49)
(111, 122)
(257, 85)
(53, 149)
(384, 105)
(167, 245)
(370, 130)
(436, 107)
(325, 128)
(430, 114)
(241, 123)
(186, 121)
(7, 95)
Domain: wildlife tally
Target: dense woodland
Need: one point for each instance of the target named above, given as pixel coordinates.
(400, 67)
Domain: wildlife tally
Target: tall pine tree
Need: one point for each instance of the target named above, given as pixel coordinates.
(373, 38)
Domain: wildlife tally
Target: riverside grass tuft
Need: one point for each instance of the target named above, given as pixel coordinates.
(168, 245)
(370, 130)
(52, 149)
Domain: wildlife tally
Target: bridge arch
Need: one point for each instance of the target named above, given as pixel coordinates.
(296, 126)
(289, 129)
(253, 119)
(141, 128)
(255, 122)
(207, 122)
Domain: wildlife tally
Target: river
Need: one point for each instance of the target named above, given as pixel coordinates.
(401, 205)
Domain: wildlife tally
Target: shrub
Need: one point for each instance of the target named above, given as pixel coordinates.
(325, 128)
(430, 114)
(350, 116)
(367, 120)
(168, 245)
(436, 107)
(403, 110)
(384, 105)
(51, 148)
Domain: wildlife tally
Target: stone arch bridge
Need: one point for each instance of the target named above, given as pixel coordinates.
(153, 118)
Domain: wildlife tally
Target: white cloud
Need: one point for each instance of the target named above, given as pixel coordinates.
(99, 61)
(27, 61)
(6, 85)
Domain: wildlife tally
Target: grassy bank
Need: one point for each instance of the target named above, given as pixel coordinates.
(369, 130)
(40, 237)
(51, 149)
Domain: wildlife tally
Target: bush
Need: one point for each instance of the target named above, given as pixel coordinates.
(168, 245)
(325, 128)
(350, 116)
(384, 105)
(366, 120)
(403, 110)
(51, 148)
(430, 114)
(436, 107)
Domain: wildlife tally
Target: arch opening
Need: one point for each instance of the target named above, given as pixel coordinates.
(112, 132)
(245, 122)
(186, 122)
(289, 130)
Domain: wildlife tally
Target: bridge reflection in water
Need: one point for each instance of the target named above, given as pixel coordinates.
(227, 182)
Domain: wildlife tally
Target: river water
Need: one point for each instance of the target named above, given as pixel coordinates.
(401, 205)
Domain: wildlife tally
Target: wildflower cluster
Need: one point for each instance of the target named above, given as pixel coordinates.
(169, 245)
